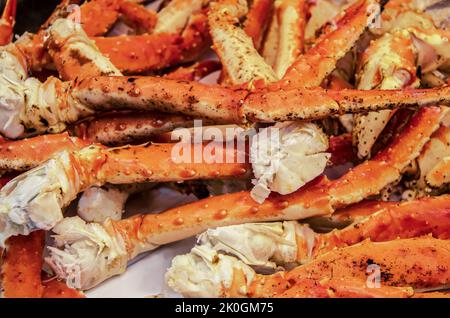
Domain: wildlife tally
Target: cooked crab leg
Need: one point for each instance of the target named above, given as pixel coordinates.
(129, 53)
(257, 20)
(24, 154)
(291, 15)
(74, 55)
(319, 197)
(234, 47)
(21, 269)
(98, 16)
(204, 273)
(270, 45)
(7, 22)
(121, 128)
(115, 128)
(397, 71)
(236, 105)
(138, 17)
(317, 63)
(300, 143)
(40, 194)
(341, 192)
(440, 174)
(290, 242)
(430, 157)
(68, 102)
(76, 58)
(343, 288)
(139, 53)
(398, 13)
(348, 215)
(399, 51)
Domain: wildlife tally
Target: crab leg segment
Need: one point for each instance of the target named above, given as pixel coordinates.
(311, 68)
(146, 232)
(117, 128)
(402, 220)
(138, 17)
(21, 269)
(7, 22)
(394, 258)
(343, 288)
(440, 174)
(291, 15)
(147, 52)
(257, 20)
(38, 195)
(236, 105)
(316, 103)
(398, 52)
(291, 242)
(432, 153)
(319, 197)
(271, 40)
(98, 16)
(205, 273)
(174, 16)
(125, 127)
(234, 47)
(388, 165)
(74, 54)
(28, 153)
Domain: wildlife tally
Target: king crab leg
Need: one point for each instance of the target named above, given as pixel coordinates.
(290, 243)
(23, 263)
(7, 22)
(320, 197)
(393, 258)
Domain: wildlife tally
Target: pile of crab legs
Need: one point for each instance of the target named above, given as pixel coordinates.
(267, 76)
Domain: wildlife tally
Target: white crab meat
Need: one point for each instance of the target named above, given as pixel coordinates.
(90, 255)
(264, 245)
(34, 199)
(205, 273)
(12, 97)
(99, 204)
(286, 156)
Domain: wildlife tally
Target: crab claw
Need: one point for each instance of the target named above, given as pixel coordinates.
(7, 22)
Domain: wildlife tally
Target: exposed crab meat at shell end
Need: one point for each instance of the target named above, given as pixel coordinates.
(287, 156)
(90, 253)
